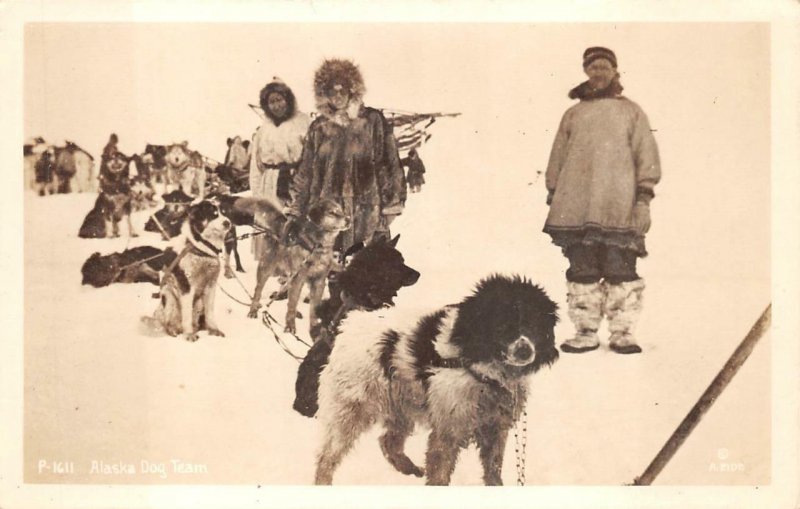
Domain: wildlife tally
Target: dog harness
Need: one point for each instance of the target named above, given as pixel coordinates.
(461, 363)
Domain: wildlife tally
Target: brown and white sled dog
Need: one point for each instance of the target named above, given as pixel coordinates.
(189, 284)
(306, 262)
(461, 371)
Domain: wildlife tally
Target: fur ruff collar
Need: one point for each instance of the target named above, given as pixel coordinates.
(585, 92)
(278, 87)
(345, 73)
(342, 117)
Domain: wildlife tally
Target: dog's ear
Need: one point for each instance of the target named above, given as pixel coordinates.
(410, 276)
(246, 144)
(393, 242)
(355, 248)
(316, 212)
(230, 142)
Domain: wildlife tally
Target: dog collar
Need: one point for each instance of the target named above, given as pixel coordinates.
(460, 363)
(303, 237)
(452, 363)
(497, 384)
(200, 252)
(197, 236)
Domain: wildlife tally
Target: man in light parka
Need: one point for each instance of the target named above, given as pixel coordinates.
(603, 167)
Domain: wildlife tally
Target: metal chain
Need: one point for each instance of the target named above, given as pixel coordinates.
(520, 442)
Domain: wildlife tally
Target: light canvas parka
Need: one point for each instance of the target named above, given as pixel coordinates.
(604, 158)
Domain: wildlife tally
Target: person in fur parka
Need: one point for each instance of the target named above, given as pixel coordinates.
(276, 149)
(603, 167)
(350, 156)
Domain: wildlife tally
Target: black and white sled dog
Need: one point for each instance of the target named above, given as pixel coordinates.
(189, 284)
(461, 371)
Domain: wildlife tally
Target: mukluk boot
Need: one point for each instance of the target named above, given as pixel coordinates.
(585, 303)
(623, 305)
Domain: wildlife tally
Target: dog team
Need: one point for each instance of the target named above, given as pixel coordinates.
(324, 193)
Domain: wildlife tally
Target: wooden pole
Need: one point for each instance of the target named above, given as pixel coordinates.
(713, 391)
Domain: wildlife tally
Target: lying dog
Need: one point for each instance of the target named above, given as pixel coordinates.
(307, 261)
(369, 281)
(168, 220)
(461, 371)
(138, 265)
(189, 284)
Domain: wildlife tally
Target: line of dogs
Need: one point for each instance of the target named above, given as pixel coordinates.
(173, 166)
(178, 166)
(461, 371)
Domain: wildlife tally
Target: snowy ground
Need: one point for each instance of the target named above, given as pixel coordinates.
(98, 390)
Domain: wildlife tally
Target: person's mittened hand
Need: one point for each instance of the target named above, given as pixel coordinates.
(641, 217)
(550, 194)
(389, 214)
(290, 231)
(392, 210)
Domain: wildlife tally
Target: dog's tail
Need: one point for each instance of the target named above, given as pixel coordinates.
(306, 400)
(259, 206)
(149, 326)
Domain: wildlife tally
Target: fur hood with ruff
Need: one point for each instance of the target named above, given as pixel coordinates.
(343, 72)
(279, 87)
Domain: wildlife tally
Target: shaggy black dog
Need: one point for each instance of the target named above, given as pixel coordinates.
(138, 265)
(369, 281)
(461, 371)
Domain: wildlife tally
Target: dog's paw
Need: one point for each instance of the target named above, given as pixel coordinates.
(216, 332)
(417, 471)
(229, 273)
(134, 234)
(282, 295)
(191, 336)
(253, 313)
(290, 327)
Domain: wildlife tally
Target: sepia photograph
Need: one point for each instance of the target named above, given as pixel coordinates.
(262, 254)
